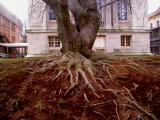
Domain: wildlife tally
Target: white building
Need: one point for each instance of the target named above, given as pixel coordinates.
(154, 19)
(124, 29)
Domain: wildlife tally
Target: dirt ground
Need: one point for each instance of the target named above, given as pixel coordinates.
(24, 96)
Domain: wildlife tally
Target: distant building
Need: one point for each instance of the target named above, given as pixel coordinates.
(124, 29)
(10, 26)
(10, 31)
(154, 21)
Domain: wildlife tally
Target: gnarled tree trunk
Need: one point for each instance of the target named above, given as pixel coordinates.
(78, 37)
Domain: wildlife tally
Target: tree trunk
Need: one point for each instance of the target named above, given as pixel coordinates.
(78, 37)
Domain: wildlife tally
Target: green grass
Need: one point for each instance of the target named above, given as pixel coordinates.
(14, 67)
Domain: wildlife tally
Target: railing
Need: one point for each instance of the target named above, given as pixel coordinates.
(4, 55)
(155, 33)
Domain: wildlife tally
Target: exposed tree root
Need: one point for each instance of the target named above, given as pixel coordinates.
(72, 87)
(133, 102)
(116, 109)
(126, 99)
(80, 74)
(75, 65)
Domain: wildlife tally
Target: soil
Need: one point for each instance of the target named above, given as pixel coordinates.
(24, 96)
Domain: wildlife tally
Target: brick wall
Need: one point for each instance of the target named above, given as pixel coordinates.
(10, 26)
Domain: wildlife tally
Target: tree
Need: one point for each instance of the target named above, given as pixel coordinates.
(78, 37)
(81, 36)
(77, 68)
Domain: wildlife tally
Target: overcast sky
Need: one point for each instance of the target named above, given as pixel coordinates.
(20, 7)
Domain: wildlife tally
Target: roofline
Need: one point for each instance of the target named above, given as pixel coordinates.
(16, 45)
(155, 28)
(10, 16)
(154, 13)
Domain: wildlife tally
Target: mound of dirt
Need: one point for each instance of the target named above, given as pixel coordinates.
(130, 90)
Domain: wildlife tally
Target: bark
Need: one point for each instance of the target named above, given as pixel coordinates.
(78, 37)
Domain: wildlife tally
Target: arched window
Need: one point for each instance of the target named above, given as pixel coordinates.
(122, 10)
(51, 15)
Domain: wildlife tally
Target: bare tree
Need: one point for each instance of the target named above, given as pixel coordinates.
(77, 42)
(78, 37)
(81, 36)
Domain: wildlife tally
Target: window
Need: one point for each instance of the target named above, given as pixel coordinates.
(57, 42)
(101, 3)
(54, 41)
(13, 38)
(122, 10)
(13, 27)
(151, 25)
(7, 24)
(126, 40)
(51, 15)
(158, 24)
(4, 22)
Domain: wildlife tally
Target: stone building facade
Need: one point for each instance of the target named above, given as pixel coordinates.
(154, 22)
(124, 28)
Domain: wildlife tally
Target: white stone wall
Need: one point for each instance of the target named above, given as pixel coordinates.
(38, 43)
(37, 15)
(140, 43)
(110, 43)
(108, 38)
(139, 14)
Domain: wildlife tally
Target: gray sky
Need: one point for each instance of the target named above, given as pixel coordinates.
(17, 7)
(153, 5)
(20, 7)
